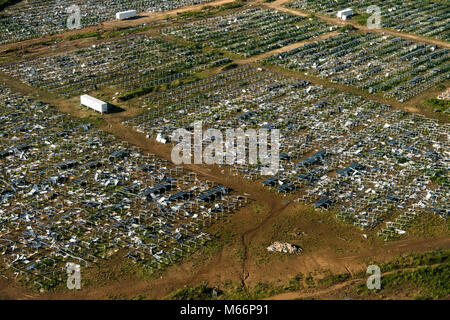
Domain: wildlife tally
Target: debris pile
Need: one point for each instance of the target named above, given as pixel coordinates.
(284, 248)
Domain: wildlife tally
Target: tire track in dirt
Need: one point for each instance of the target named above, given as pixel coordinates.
(303, 295)
(246, 237)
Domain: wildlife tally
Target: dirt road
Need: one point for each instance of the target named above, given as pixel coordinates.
(318, 293)
(285, 49)
(143, 17)
(279, 5)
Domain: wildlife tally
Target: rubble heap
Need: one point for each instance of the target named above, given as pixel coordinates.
(284, 248)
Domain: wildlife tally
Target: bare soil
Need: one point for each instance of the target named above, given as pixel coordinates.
(241, 256)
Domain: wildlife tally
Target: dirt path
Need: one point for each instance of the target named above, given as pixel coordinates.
(285, 49)
(246, 237)
(143, 17)
(279, 5)
(301, 294)
(305, 295)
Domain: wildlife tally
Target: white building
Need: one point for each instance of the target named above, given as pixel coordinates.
(125, 14)
(345, 14)
(94, 103)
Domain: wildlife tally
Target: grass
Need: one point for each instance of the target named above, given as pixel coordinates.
(257, 208)
(429, 224)
(230, 66)
(417, 260)
(126, 31)
(261, 290)
(310, 282)
(333, 279)
(234, 291)
(428, 282)
(94, 120)
(361, 18)
(348, 28)
(139, 92)
(199, 292)
(438, 176)
(438, 105)
(427, 275)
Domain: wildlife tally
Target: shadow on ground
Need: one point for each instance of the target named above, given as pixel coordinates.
(112, 108)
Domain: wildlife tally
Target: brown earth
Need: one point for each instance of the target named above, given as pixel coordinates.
(241, 257)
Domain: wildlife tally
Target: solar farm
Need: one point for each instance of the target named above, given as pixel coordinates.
(88, 125)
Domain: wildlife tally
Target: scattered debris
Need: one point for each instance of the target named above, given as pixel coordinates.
(284, 248)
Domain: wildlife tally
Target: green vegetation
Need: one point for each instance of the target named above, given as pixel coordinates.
(428, 273)
(402, 160)
(438, 176)
(94, 120)
(432, 282)
(295, 284)
(361, 18)
(237, 292)
(348, 28)
(439, 105)
(416, 260)
(126, 31)
(139, 92)
(309, 280)
(199, 292)
(333, 279)
(230, 66)
(257, 208)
